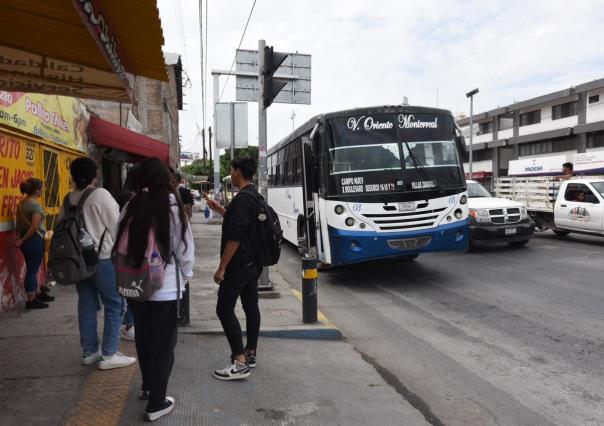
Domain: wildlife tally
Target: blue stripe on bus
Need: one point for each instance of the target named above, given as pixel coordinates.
(360, 246)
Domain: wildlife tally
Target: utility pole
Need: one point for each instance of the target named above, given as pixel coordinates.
(210, 141)
(232, 109)
(471, 96)
(216, 152)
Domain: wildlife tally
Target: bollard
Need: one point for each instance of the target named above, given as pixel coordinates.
(309, 290)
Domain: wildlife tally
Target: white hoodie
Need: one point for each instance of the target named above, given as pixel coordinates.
(184, 253)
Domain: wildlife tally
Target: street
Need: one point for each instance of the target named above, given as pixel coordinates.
(496, 336)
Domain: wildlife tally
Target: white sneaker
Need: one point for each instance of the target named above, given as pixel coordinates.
(128, 334)
(234, 371)
(89, 359)
(166, 408)
(117, 360)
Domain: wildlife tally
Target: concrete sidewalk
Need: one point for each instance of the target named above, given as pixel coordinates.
(281, 317)
(305, 375)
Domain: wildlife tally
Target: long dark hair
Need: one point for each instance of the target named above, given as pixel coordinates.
(150, 208)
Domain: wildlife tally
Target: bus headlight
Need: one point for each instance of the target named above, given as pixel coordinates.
(458, 214)
(349, 221)
(463, 200)
(339, 209)
(481, 215)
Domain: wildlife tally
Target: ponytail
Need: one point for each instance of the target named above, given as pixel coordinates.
(30, 186)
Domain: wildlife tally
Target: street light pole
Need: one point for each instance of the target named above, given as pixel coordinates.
(471, 96)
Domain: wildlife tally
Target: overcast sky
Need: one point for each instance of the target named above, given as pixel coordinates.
(368, 53)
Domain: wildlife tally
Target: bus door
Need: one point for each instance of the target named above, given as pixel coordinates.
(307, 226)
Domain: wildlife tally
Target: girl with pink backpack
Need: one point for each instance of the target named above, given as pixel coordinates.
(153, 254)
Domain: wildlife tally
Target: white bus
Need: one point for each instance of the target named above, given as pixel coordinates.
(371, 183)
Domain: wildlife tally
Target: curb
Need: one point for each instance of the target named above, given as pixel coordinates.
(301, 332)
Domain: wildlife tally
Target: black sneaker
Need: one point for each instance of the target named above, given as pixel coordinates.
(35, 304)
(250, 359)
(152, 414)
(45, 297)
(144, 395)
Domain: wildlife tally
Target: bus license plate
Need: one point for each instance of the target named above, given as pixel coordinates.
(406, 207)
(510, 231)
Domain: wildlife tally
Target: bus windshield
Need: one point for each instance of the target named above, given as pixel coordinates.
(385, 153)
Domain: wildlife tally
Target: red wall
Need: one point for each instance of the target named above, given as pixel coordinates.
(12, 272)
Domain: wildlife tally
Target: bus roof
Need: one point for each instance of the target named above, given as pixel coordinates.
(383, 109)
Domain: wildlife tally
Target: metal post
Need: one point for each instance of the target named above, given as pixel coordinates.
(471, 130)
(232, 106)
(264, 282)
(216, 157)
(210, 140)
(309, 290)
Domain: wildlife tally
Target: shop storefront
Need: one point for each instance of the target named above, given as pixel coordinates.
(116, 148)
(62, 122)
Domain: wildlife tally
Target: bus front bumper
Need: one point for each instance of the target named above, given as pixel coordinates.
(358, 246)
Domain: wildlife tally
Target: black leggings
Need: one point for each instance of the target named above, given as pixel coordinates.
(242, 282)
(155, 334)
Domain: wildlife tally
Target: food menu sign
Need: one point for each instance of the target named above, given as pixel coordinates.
(18, 164)
(59, 119)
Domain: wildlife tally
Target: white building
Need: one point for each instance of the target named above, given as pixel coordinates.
(547, 129)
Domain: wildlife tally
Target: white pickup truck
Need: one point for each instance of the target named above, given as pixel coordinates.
(574, 205)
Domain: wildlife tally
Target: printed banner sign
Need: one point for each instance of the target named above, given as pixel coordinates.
(591, 161)
(33, 73)
(18, 164)
(537, 166)
(59, 119)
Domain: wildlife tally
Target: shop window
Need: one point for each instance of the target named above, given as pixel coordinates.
(567, 109)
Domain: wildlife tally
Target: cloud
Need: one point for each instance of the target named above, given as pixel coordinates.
(375, 52)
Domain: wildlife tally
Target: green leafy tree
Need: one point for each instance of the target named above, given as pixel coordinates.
(225, 159)
(199, 168)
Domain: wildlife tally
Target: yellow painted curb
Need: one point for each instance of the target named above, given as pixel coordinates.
(322, 318)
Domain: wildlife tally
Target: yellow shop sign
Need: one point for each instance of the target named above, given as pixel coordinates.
(60, 119)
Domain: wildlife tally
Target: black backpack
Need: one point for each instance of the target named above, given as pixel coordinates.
(268, 232)
(68, 262)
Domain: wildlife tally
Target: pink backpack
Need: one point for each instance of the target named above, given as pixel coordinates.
(138, 282)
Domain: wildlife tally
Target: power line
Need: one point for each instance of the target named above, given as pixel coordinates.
(238, 47)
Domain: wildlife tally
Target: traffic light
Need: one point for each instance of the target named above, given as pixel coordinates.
(272, 86)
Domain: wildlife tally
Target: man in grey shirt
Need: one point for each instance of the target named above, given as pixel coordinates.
(100, 213)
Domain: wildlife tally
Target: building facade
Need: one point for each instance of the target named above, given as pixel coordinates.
(156, 111)
(557, 126)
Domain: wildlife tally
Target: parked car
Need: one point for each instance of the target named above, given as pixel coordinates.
(497, 220)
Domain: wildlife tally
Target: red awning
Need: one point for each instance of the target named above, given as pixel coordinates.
(111, 135)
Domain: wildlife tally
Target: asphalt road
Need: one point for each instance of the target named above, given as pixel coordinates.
(499, 336)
